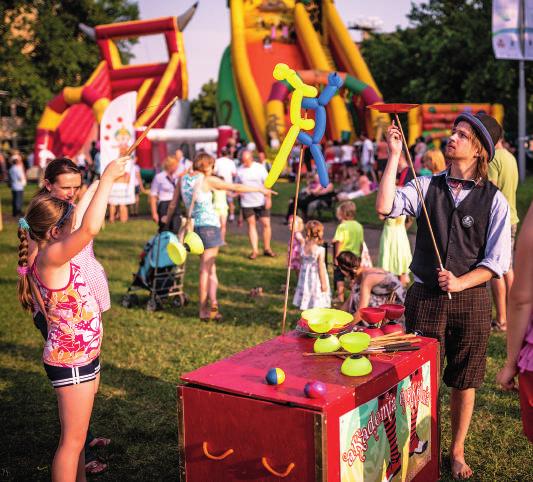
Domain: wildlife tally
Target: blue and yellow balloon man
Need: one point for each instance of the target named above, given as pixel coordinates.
(304, 96)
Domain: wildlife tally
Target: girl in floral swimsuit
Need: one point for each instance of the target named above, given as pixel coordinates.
(71, 352)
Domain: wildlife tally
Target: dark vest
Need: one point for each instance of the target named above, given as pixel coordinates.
(460, 233)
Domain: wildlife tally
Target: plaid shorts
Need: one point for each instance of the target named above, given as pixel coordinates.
(461, 325)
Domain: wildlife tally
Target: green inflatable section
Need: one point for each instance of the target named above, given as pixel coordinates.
(228, 110)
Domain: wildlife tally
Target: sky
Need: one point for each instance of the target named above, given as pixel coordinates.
(208, 33)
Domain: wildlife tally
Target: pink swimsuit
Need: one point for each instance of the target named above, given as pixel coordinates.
(74, 321)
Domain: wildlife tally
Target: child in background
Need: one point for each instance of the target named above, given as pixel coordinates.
(299, 241)
(72, 349)
(313, 289)
(395, 250)
(349, 236)
(17, 182)
(139, 187)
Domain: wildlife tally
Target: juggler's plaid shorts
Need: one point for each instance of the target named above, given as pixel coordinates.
(462, 326)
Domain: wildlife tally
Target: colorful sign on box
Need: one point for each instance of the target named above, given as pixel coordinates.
(378, 433)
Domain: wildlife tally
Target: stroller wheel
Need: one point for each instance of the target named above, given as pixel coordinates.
(151, 305)
(180, 301)
(130, 300)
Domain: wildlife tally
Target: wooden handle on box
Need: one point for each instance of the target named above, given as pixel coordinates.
(227, 453)
(267, 466)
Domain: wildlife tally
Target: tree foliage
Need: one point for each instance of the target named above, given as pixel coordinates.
(203, 108)
(43, 50)
(446, 55)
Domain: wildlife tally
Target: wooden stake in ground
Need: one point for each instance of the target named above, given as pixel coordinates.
(395, 109)
(295, 212)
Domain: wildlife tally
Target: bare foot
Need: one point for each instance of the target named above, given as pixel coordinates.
(460, 469)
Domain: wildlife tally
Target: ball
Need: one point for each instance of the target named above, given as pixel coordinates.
(275, 376)
(315, 389)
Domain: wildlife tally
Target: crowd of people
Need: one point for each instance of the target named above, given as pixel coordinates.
(474, 222)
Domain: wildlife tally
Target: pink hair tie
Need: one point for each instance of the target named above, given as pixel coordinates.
(23, 270)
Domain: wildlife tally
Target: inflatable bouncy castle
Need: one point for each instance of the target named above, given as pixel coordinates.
(71, 119)
(309, 36)
(435, 121)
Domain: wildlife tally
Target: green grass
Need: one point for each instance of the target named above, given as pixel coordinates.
(144, 355)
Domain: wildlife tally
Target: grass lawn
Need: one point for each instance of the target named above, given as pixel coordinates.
(144, 354)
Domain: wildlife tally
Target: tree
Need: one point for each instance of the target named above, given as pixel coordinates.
(203, 108)
(446, 55)
(43, 50)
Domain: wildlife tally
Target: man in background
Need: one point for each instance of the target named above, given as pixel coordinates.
(255, 205)
(503, 173)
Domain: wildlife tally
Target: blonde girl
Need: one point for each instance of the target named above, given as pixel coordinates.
(313, 289)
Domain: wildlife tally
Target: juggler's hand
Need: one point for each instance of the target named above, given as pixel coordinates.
(394, 139)
(449, 282)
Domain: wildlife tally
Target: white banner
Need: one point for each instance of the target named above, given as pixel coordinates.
(117, 134)
(505, 29)
(528, 30)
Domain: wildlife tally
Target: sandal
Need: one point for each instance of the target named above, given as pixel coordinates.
(215, 315)
(252, 255)
(204, 314)
(100, 442)
(95, 467)
(269, 253)
(495, 326)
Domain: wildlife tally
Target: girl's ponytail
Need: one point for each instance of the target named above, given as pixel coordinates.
(24, 288)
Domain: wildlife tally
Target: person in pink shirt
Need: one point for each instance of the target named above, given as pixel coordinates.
(364, 185)
(520, 327)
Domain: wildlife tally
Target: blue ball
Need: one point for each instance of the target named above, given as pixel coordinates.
(275, 376)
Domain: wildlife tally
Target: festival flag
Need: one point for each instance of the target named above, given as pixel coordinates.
(117, 134)
(506, 29)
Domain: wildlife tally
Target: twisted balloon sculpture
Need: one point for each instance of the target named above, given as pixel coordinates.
(284, 72)
(313, 142)
(304, 96)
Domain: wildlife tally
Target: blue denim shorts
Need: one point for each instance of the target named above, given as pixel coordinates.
(210, 236)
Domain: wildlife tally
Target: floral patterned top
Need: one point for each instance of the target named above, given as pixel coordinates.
(74, 321)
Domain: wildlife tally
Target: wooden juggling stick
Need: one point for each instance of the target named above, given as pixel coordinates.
(152, 124)
(291, 244)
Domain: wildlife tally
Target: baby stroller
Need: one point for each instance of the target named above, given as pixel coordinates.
(159, 275)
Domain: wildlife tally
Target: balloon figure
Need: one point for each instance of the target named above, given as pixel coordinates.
(313, 142)
(301, 90)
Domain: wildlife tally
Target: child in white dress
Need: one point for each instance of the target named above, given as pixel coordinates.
(313, 289)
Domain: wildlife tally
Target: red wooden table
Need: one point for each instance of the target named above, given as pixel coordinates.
(380, 427)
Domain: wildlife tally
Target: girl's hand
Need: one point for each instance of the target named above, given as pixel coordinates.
(267, 192)
(505, 377)
(394, 139)
(115, 169)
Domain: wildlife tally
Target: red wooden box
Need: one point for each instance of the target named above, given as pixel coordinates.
(384, 426)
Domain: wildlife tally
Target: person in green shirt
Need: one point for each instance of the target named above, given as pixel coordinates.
(349, 236)
(503, 173)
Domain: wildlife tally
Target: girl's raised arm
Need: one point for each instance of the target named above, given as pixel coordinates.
(216, 183)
